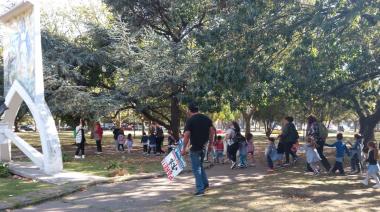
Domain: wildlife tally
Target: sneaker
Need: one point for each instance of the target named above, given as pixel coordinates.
(233, 165)
(77, 157)
(207, 186)
(83, 156)
(376, 186)
(364, 182)
(316, 173)
(286, 164)
(199, 194)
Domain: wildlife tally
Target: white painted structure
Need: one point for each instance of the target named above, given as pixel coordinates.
(23, 81)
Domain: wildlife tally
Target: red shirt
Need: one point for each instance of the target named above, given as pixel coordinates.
(218, 145)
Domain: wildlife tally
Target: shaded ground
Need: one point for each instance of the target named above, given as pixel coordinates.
(142, 195)
(302, 192)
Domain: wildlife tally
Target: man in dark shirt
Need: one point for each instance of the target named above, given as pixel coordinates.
(199, 131)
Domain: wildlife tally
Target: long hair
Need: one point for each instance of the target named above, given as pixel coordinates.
(236, 126)
(375, 150)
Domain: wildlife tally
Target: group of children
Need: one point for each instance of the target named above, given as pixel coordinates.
(246, 149)
(357, 157)
(124, 141)
(150, 143)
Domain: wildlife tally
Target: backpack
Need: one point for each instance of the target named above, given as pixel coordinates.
(238, 138)
(323, 132)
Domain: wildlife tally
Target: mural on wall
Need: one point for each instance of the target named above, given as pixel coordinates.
(19, 61)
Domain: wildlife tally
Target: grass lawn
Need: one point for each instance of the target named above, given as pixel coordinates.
(10, 187)
(105, 164)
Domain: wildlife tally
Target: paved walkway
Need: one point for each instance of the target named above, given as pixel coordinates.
(143, 195)
(29, 170)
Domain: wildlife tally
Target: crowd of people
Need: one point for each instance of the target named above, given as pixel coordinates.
(206, 145)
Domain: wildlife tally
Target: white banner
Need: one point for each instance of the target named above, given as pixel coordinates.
(174, 162)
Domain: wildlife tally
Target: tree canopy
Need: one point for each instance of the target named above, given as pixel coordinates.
(262, 59)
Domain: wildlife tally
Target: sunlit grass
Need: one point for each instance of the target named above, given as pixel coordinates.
(10, 187)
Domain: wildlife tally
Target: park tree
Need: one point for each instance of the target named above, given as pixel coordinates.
(243, 53)
(340, 55)
(167, 54)
(79, 74)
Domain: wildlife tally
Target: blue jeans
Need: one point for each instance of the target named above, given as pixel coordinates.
(270, 162)
(243, 160)
(201, 180)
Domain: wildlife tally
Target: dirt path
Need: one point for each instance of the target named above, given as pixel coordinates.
(143, 195)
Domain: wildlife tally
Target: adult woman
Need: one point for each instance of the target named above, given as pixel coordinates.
(314, 132)
(98, 135)
(232, 145)
(80, 139)
(288, 137)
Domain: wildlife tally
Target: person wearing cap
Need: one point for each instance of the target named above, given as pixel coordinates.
(198, 131)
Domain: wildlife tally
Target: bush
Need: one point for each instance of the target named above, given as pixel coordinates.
(66, 157)
(4, 170)
(114, 165)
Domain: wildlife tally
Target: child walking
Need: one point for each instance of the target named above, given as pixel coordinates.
(356, 155)
(312, 156)
(219, 149)
(341, 148)
(243, 151)
(251, 149)
(129, 143)
(121, 141)
(144, 141)
(271, 154)
(373, 166)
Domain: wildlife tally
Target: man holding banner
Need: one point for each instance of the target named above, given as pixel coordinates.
(198, 130)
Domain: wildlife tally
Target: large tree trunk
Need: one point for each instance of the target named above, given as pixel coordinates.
(367, 122)
(175, 117)
(268, 127)
(367, 128)
(247, 116)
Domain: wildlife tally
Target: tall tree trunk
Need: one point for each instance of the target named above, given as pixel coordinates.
(367, 122)
(247, 116)
(175, 116)
(367, 128)
(268, 128)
